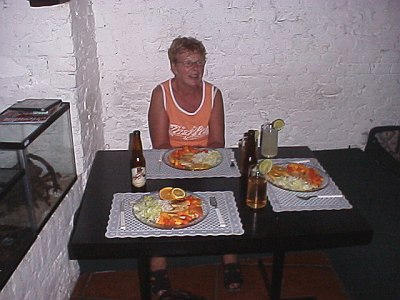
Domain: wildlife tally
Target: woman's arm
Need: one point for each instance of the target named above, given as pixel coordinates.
(158, 121)
(216, 138)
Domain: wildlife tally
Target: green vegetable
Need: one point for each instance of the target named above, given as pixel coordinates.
(149, 208)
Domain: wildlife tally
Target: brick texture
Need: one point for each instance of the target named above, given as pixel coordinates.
(330, 69)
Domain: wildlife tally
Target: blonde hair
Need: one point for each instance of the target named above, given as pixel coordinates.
(182, 44)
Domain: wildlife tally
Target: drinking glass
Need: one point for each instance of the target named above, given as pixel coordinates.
(269, 140)
(256, 188)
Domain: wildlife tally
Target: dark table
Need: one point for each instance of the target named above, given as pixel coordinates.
(265, 230)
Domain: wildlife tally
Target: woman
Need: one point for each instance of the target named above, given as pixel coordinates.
(186, 110)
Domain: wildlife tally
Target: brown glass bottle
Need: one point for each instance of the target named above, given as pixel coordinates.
(250, 157)
(251, 148)
(137, 163)
(243, 152)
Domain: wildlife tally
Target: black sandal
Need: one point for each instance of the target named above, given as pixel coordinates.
(159, 282)
(233, 277)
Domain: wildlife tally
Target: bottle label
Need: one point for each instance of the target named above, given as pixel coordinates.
(138, 177)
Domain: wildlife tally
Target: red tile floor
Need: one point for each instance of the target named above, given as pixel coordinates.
(307, 276)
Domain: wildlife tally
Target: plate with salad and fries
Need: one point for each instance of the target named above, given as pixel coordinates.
(170, 208)
(297, 177)
(192, 158)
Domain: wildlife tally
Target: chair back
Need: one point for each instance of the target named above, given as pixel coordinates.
(383, 146)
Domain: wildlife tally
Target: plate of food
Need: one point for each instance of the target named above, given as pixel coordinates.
(170, 208)
(297, 177)
(192, 158)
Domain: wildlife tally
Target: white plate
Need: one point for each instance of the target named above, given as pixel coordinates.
(142, 219)
(186, 163)
(281, 181)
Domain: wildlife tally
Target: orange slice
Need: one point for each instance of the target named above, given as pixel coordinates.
(166, 193)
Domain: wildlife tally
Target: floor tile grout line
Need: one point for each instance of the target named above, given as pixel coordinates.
(86, 285)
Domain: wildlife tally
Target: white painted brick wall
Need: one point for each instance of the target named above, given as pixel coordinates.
(37, 60)
(329, 68)
(88, 94)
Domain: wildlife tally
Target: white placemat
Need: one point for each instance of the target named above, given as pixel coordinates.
(282, 200)
(207, 227)
(157, 169)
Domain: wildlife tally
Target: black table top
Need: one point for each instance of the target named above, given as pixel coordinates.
(265, 230)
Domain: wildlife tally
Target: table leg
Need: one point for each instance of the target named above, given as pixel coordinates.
(277, 274)
(144, 277)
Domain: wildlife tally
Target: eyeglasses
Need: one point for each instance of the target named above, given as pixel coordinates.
(190, 64)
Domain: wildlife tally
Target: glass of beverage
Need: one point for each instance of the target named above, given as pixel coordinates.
(256, 188)
(269, 140)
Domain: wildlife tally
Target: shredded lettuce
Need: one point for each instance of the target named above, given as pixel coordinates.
(293, 183)
(149, 208)
(211, 158)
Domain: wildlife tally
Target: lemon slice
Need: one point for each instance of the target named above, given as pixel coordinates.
(178, 193)
(265, 166)
(166, 193)
(278, 124)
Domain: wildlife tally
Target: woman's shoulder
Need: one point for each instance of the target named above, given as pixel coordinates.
(213, 86)
(157, 93)
(159, 87)
(208, 83)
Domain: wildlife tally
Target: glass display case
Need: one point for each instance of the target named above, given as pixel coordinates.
(37, 169)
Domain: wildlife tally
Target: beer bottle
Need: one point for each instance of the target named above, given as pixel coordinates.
(251, 155)
(137, 163)
(243, 152)
(251, 148)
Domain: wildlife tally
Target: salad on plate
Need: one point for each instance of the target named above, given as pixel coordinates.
(170, 208)
(297, 177)
(193, 158)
